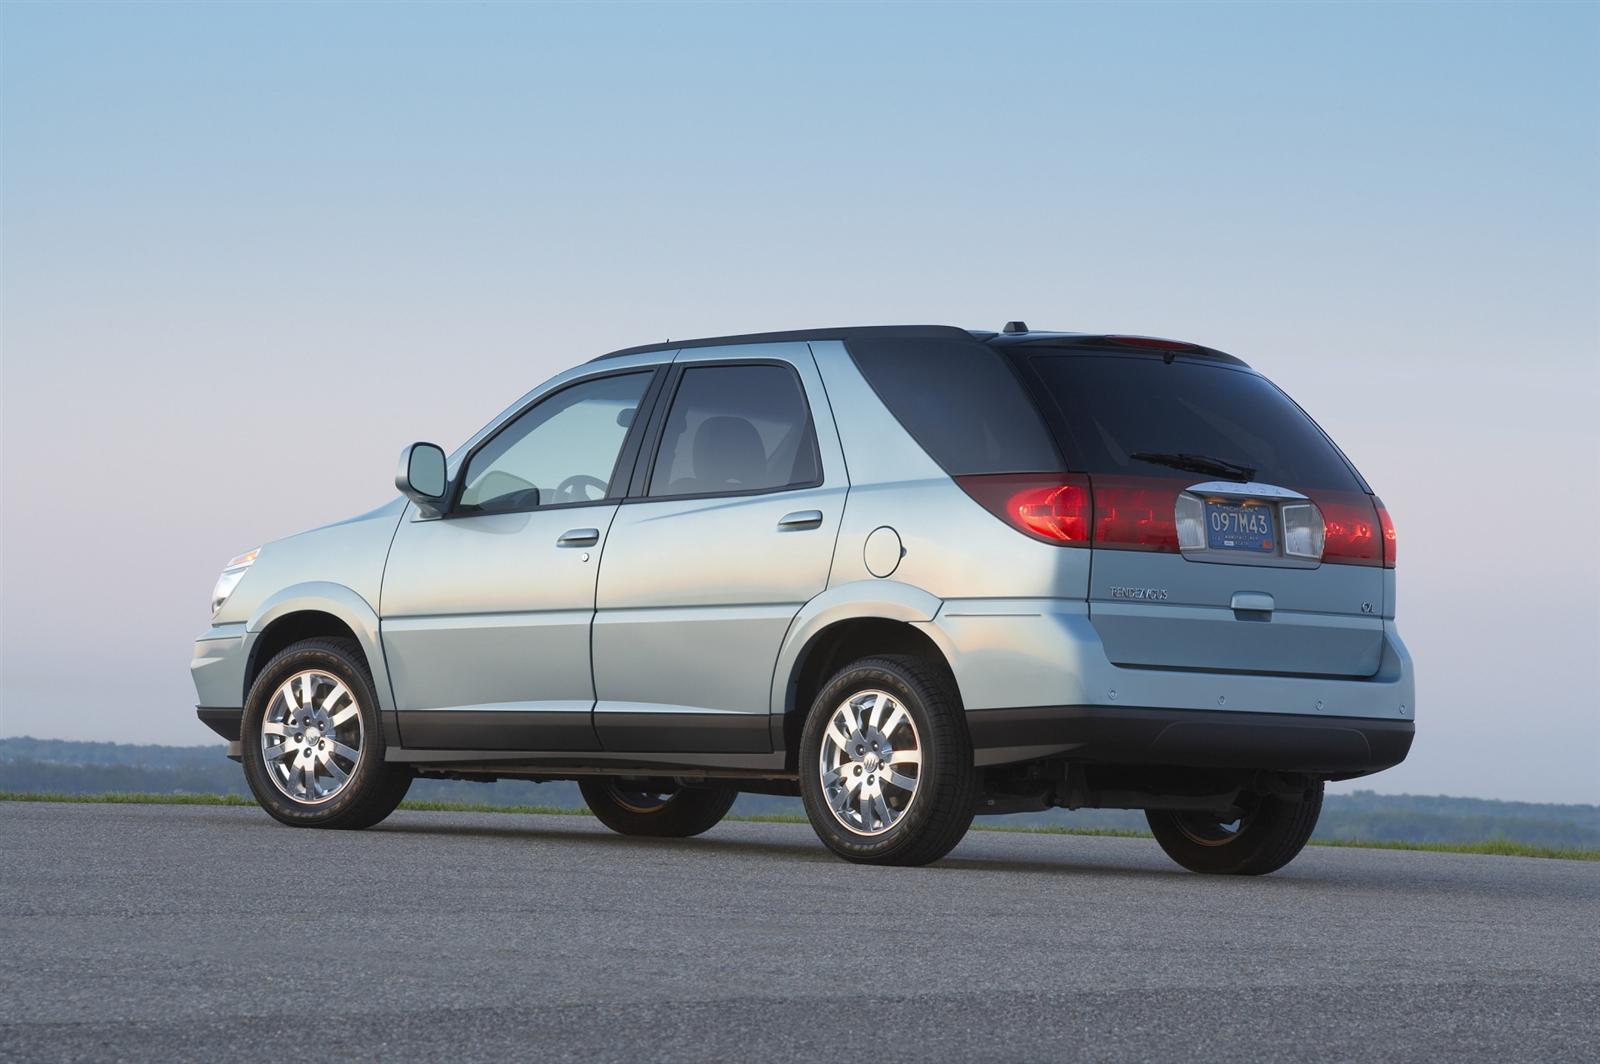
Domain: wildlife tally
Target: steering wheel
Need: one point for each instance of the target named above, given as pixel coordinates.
(575, 488)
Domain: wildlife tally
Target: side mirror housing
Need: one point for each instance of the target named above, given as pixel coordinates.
(421, 477)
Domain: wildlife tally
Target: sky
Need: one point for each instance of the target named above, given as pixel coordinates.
(248, 252)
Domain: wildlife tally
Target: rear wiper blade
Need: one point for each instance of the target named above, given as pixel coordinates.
(1197, 463)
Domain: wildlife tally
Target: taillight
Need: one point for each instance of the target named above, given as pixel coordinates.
(1136, 513)
(1054, 507)
(1144, 513)
(1351, 531)
(1303, 531)
(1123, 513)
(1386, 530)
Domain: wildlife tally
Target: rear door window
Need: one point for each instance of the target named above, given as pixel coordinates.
(736, 430)
(1114, 406)
(961, 402)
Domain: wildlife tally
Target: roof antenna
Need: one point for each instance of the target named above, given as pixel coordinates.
(1015, 327)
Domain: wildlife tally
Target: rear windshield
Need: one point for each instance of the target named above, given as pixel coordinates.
(1113, 406)
(961, 401)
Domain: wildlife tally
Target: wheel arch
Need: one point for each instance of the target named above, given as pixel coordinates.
(316, 610)
(848, 622)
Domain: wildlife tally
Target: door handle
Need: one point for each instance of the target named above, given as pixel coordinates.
(579, 537)
(800, 520)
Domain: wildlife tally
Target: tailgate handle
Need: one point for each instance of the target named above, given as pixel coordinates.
(1253, 601)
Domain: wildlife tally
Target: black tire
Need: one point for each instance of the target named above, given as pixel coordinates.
(1266, 838)
(375, 787)
(640, 809)
(940, 810)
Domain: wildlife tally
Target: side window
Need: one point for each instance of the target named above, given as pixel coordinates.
(563, 449)
(736, 429)
(960, 402)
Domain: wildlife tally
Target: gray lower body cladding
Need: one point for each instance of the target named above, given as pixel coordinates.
(1281, 742)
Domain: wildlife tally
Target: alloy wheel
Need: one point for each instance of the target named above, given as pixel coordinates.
(311, 737)
(871, 762)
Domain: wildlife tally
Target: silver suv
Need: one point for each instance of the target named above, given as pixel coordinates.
(908, 573)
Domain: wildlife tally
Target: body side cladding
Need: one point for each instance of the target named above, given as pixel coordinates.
(566, 763)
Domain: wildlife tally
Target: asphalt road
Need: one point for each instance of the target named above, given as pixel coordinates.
(193, 933)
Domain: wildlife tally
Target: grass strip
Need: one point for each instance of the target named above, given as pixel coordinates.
(1489, 847)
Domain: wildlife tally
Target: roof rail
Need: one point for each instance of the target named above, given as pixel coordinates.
(908, 332)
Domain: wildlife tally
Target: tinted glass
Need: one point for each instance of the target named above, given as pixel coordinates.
(961, 402)
(736, 429)
(561, 450)
(1116, 405)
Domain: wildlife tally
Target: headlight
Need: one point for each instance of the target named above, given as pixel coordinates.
(231, 574)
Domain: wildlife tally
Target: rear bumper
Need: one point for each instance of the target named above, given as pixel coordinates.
(1283, 742)
(1009, 653)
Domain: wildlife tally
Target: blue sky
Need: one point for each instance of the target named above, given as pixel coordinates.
(247, 252)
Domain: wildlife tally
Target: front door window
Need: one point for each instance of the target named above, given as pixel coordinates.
(559, 452)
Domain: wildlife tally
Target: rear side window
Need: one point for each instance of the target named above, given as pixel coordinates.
(736, 429)
(1115, 406)
(961, 402)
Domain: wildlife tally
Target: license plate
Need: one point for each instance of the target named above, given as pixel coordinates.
(1230, 526)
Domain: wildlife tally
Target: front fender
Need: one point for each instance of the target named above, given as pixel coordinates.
(885, 599)
(322, 596)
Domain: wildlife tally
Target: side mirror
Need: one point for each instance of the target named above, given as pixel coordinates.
(421, 477)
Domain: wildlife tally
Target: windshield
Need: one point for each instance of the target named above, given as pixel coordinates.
(1184, 414)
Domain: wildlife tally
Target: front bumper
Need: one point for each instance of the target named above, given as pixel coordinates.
(224, 720)
(220, 658)
(1280, 742)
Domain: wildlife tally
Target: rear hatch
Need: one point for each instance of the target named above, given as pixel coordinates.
(1228, 532)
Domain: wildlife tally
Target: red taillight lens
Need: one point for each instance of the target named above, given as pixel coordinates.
(1386, 530)
(1136, 513)
(1352, 534)
(1054, 507)
(1121, 513)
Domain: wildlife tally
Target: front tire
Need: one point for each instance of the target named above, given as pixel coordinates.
(886, 768)
(1268, 836)
(312, 742)
(641, 808)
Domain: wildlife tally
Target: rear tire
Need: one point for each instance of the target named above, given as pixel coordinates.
(322, 764)
(636, 809)
(1265, 839)
(886, 768)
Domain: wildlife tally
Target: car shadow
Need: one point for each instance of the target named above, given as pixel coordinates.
(1070, 864)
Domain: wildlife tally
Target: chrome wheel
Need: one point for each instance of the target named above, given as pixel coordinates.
(311, 737)
(871, 762)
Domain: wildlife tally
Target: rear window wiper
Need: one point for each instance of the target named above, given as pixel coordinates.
(1197, 463)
